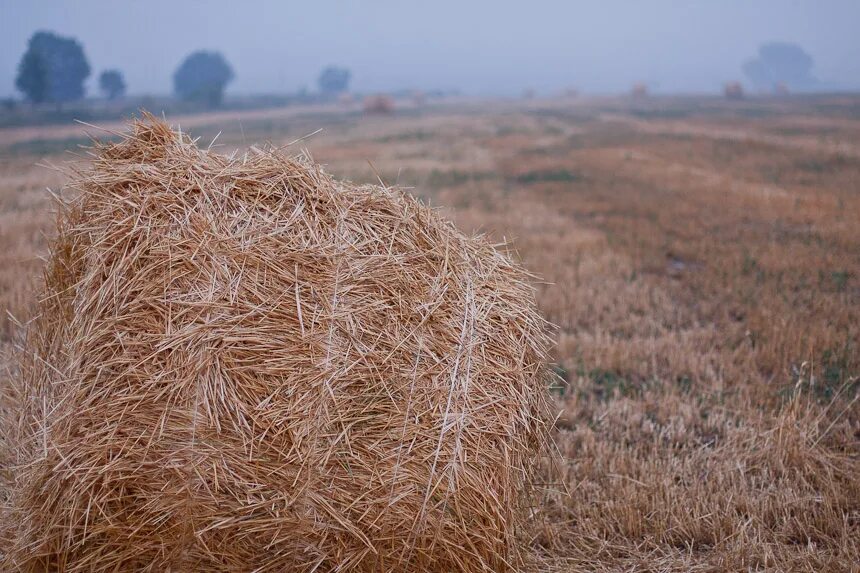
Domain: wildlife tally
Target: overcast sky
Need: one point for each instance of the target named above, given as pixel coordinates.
(477, 46)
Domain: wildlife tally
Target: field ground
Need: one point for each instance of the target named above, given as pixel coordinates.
(701, 260)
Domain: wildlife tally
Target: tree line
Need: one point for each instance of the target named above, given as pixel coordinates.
(54, 68)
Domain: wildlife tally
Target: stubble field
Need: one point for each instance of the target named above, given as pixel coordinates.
(701, 262)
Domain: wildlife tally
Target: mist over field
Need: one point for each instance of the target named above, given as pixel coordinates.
(447, 286)
(480, 47)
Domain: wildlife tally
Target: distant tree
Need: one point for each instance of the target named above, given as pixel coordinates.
(334, 80)
(53, 69)
(32, 78)
(780, 63)
(202, 77)
(112, 84)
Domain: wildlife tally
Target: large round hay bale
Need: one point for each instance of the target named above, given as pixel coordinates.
(242, 364)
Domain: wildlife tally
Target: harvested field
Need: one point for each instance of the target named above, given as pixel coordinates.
(701, 260)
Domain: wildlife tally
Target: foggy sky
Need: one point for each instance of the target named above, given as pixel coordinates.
(481, 47)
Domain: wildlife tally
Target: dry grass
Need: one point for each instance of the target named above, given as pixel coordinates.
(702, 262)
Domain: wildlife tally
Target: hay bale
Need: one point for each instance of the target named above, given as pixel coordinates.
(733, 90)
(419, 98)
(242, 364)
(378, 104)
(781, 89)
(346, 99)
(639, 90)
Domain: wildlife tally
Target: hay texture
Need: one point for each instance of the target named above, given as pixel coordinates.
(241, 364)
